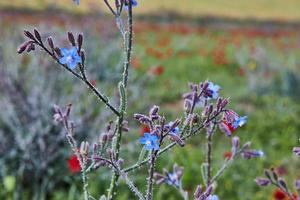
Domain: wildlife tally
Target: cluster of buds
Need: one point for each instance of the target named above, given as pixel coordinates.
(71, 57)
(170, 178)
(158, 129)
(201, 194)
(200, 95)
(231, 121)
(62, 115)
(272, 178)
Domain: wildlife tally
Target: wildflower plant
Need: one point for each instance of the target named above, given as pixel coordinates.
(273, 178)
(203, 111)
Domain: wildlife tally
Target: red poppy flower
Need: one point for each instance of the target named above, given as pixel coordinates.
(144, 129)
(74, 165)
(227, 155)
(280, 195)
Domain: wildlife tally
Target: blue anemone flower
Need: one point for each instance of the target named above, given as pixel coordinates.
(76, 1)
(173, 179)
(70, 57)
(214, 89)
(150, 141)
(239, 122)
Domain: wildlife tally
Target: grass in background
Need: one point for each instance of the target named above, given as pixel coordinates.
(282, 10)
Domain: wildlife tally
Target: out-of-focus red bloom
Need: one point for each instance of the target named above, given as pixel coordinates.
(281, 171)
(158, 70)
(241, 72)
(93, 82)
(280, 195)
(74, 165)
(136, 63)
(144, 129)
(227, 155)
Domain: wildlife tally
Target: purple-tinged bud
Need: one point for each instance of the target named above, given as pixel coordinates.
(104, 138)
(296, 151)
(68, 110)
(29, 35)
(235, 143)
(95, 148)
(208, 109)
(111, 154)
(154, 110)
(268, 174)
(37, 35)
(23, 47)
(224, 103)
(50, 42)
(208, 190)
(198, 192)
(204, 85)
(262, 181)
(274, 174)
(187, 105)
(80, 41)
(99, 163)
(30, 47)
(138, 116)
(82, 55)
(71, 38)
(159, 178)
(282, 183)
(297, 185)
(57, 51)
(177, 139)
(120, 162)
(219, 103)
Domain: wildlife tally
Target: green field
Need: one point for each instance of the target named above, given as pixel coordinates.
(282, 10)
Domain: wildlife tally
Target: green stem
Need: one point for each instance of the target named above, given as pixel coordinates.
(116, 147)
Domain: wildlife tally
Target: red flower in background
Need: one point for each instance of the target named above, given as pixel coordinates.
(227, 155)
(74, 165)
(280, 195)
(144, 129)
(158, 70)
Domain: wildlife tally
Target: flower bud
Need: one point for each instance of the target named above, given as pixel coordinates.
(262, 181)
(37, 35)
(71, 38)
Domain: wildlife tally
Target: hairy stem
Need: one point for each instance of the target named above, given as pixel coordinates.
(128, 48)
(149, 192)
(209, 158)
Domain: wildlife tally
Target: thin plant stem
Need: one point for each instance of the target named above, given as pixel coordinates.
(127, 50)
(149, 192)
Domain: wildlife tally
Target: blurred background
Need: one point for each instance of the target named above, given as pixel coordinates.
(250, 48)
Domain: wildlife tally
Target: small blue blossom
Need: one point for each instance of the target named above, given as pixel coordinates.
(214, 89)
(212, 197)
(76, 1)
(134, 3)
(173, 179)
(150, 141)
(258, 153)
(239, 122)
(70, 57)
(175, 130)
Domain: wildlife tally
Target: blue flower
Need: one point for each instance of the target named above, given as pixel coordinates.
(239, 122)
(212, 197)
(150, 141)
(175, 130)
(258, 153)
(214, 89)
(76, 1)
(134, 3)
(70, 57)
(173, 179)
